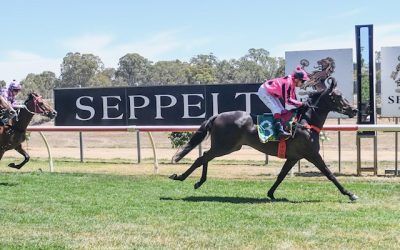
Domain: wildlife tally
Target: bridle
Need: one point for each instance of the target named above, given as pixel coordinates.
(37, 100)
(340, 107)
(314, 106)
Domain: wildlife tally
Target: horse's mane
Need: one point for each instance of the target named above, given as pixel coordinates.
(313, 96)
(32, 95)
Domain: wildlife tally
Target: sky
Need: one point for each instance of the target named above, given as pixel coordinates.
(35, 35)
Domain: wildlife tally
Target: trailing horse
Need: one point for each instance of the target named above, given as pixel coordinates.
(229, 131)
(13, 136)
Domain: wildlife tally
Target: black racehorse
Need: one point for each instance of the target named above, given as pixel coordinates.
(229, 131)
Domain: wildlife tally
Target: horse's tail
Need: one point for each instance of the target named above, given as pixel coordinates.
(195, 140)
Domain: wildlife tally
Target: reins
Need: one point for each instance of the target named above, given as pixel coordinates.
(313, 107)
(37, 109)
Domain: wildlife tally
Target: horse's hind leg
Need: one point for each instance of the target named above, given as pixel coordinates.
(284, 171)
(20, 150)
(317, 160)
(203, 160)
(206, 158)
(197, 163)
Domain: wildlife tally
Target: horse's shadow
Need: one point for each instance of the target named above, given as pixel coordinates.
(319, 174)
(234, 200)
(8, 184)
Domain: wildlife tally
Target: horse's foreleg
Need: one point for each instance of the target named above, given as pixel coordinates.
(20, 150)
(284, 171)
(317, 160)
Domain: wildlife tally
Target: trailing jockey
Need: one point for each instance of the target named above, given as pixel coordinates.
(9, 94)
(11, 91)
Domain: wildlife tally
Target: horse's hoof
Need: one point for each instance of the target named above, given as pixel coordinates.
(12, 165)
(353, 197)
(271, 196)
(173, 176)
(197, 185)
(174, 159)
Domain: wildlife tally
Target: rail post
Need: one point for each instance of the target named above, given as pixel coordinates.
(396, 141)
(51, 165)
(154, 153)
(81, 145)
(339, 148)
(139, 155)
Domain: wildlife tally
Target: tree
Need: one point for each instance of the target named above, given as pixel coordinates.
(226, 71)
(2, 83)
(249, 72)
(257, 66)
(42, 84)
(169, 72)
(280, 68)
(378, 60)
(134, 69)
(105, 78)
(77, 70)
(203, 69)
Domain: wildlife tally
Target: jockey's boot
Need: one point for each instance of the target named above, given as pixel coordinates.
(282, 134)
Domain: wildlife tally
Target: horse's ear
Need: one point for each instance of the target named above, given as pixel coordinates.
(332, 83)
(32, 94)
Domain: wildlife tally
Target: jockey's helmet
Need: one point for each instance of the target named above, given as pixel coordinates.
(14, 85)
(300, 73)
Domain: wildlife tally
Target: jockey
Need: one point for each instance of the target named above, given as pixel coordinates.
(279, 96)
(11, 91)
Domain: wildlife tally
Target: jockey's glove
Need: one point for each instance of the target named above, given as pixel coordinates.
(304, 107)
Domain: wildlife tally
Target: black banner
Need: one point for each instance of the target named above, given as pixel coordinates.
(161, 105)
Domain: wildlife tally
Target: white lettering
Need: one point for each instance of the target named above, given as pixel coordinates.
(215, 103)
(186, 106)
(106, 107)
(159, 107)
(80, 106)
(248, 100)
(146, 102)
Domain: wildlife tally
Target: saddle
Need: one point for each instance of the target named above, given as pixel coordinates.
(5, 129)
(265, 126)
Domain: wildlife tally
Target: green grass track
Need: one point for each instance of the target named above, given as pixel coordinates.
(99, 211)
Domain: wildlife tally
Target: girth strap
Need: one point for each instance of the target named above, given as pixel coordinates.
(282, 149)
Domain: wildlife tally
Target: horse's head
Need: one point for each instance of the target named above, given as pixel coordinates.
(35, 104)
(332, 100)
